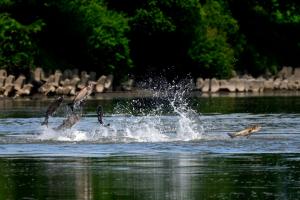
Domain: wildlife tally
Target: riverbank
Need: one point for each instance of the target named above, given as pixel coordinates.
(108, 96)
(69, 82)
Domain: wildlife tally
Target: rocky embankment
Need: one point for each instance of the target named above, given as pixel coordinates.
(59, 83)
(288, 78)
(71, 81)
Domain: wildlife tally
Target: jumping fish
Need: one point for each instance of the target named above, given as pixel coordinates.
(81, 96)
(52, 108)
(100, 115)
(246, 132)
(69, 122)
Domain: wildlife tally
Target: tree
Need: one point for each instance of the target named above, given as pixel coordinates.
(161, 33)
(100, 32)
(211, 51)
(271, 30)
(18, 48)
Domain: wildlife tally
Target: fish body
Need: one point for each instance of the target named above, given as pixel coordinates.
(246, 132)
(81, 96)
(100, 116)
(52, 108)
(69, 122)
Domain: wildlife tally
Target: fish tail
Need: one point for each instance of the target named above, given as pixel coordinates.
(231, 135)
(100, 114)
(99, 110)
(45, 122)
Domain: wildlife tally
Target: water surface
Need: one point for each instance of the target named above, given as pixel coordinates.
(153, 149)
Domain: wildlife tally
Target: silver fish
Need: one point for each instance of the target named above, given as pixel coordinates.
(81, 96)
(100, 115)
(246, 132)
(69, 122)
(52, 108)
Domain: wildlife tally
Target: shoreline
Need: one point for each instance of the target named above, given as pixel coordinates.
(69, 83)
(149, 94)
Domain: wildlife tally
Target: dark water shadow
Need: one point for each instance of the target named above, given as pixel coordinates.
(172, 176)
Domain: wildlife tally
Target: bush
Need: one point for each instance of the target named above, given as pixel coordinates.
(161, 33)
(103, 32)
(211, 50)
(18, 49)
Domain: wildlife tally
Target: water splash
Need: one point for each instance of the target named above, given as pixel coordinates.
(166, 116)
(168, 99)
(70, 135)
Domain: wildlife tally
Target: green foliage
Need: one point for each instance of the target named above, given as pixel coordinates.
(271, 31)
(161, 33)
(78, 33)
(5, 3)
(211, 49)
(206, 37)
(103, 32)
(279, 11)
(152, 21)
(18, 49)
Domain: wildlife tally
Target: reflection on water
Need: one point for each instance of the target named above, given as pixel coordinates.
(153, 150)
(173, 176)
(223, 104)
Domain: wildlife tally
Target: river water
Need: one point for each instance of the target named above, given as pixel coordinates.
(175, 147)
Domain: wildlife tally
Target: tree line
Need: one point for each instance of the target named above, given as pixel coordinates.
(208, 38)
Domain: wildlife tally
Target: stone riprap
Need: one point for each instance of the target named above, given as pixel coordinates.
(59, 83)
(288, 78)
(69, 82)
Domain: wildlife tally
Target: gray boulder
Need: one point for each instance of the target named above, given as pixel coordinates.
(100, 84)
(285, 72)
(284, 85)
(214, 85)
(19, 83)
(228, 85)
(256, 86)
(277, 83)
(109, 82)
(293, 84)
(199, 83)
(26, 90)
(240, 85)
(206, 85)
(269, 84)
(67, 74)
(3, 73)
(297, 73)
(57, 78)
